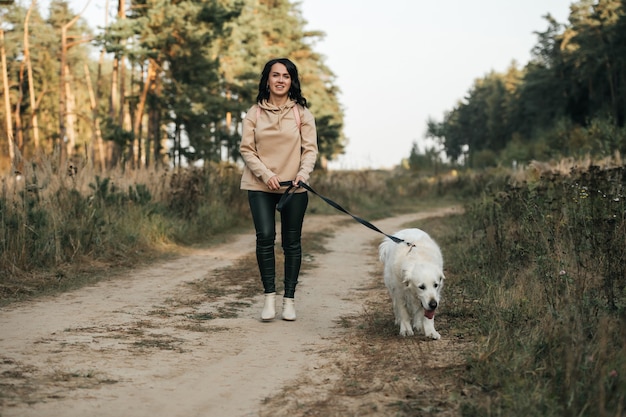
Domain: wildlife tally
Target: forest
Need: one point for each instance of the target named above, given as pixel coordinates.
(166, 82)
(568, 101)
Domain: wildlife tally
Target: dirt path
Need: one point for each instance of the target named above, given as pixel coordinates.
(133, 346)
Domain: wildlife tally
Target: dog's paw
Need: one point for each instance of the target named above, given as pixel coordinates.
(406, 330)
(434, 335)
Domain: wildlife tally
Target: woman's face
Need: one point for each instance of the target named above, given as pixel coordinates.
(279, 81)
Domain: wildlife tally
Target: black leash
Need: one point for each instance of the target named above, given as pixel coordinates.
(287, 195)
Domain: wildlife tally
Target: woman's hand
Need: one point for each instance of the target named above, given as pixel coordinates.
(296, 182)
(273, 183)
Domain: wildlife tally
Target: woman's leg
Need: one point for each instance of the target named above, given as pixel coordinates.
(292, 217)
(263, 206)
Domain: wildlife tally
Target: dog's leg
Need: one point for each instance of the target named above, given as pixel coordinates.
(396, 311)
(404, 318)
(429, 328)
(418, 321)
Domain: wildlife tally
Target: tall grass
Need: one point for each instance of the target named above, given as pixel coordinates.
(59, 228)
(544, 259)
(53, 224)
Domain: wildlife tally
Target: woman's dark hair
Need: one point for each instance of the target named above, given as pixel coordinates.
(295, 93)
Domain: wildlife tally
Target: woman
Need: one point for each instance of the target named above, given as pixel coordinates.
(279, 143)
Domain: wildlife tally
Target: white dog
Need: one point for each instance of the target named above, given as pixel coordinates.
(414, 278)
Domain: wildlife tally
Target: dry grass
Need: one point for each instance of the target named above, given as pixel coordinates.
(533, 312)
(378, 373)
(371, 371)
(60, 231)
(545, 257)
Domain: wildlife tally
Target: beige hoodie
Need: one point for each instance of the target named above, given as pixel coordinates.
(273, 145)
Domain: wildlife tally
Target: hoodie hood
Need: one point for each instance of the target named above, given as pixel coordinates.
(276, 113)
(266, 105)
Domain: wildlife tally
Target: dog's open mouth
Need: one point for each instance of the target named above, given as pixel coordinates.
(429, 314)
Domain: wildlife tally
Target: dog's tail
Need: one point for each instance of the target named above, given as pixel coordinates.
(384, 248)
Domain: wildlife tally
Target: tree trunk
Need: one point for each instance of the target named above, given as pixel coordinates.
(142, 103)
(95, 120)
(176, 156)
(62, 98)
(121, 7)
(155, 133)
(70, 106)
(103, 155)
(19, 139)
(112, 154)
(65, 93)
(7, 102)
(116, 100)
(31, 81)
(113, 101)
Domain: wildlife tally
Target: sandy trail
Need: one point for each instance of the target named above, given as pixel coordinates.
(122, 347)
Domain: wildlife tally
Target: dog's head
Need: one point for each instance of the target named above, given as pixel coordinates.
(424, 282)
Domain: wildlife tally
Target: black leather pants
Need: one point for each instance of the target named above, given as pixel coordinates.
(263, 208)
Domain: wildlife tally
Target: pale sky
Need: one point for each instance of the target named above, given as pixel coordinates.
(399, 62)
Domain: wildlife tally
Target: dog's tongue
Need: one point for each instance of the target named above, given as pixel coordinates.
(429, 314)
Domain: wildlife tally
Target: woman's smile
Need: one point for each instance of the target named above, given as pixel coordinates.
(279, 82)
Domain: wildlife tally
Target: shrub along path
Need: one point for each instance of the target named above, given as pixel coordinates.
(171, 340)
